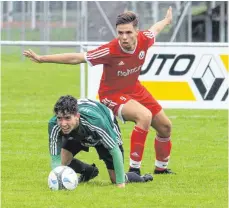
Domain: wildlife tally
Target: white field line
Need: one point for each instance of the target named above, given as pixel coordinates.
(172, 117)
(194, 116)
(23, 121)
(11, 152)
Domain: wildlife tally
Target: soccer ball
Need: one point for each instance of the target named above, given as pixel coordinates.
(62, 177)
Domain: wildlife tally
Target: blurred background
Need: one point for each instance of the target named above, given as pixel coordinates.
(199, 21)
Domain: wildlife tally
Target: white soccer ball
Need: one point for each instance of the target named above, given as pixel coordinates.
(62, 177)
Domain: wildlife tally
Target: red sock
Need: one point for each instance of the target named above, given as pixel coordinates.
(162, 148)
(138, 139)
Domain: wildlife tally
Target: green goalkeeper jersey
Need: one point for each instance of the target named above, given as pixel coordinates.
(96, 127)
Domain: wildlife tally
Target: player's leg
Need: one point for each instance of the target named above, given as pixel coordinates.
(162, 125)
(66, 157)
(104, 155)
(68, 160)
(128, 109)
(69, 149)
(131, 177)
(134, 111)
(133, 169)
(108, 160)
(162, 142)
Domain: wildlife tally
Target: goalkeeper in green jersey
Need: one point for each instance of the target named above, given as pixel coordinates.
(83, 123)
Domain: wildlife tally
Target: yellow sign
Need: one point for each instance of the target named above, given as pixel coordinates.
(224, 59)
(170, 90)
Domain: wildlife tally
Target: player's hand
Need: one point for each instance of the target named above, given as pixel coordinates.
(121, 185)
(32, 56)
(169, 16)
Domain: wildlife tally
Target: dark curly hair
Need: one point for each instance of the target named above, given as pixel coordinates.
(126, 18)
(66, 104)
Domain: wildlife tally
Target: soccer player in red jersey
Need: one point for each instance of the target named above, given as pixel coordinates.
(120, 89)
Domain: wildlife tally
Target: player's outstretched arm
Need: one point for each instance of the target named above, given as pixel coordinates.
(118, 166)
(159, 26)
(64, 58)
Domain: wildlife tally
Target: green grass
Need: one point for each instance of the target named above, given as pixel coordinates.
(29, 91)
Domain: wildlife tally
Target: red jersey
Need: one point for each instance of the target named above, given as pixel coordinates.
(121, 68)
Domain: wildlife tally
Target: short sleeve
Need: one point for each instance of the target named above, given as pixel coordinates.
(150, 37)
(55, 141)
(98, 56)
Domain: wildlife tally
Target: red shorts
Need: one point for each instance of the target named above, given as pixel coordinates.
(139, 93)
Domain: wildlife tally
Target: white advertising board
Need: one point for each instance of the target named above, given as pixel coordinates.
(180, 75)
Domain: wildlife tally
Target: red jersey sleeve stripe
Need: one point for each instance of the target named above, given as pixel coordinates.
(149, 34)
(98, 55)
(98, 51)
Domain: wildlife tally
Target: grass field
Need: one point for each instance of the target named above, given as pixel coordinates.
(29, 91)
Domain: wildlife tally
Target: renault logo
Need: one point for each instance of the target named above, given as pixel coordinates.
(208, 77)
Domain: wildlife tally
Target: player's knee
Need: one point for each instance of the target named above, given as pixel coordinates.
(144, 119)
(66, 157)
(66, 162)
(166, 129)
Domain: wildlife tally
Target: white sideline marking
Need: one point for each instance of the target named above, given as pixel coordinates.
(23, 121)
(173, 117)
(195, 116)
(22, 153)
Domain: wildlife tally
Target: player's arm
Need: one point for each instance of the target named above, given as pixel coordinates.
(109, 140)
(118, 166)
(55, 143)
(63, 58)
(159, 26)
